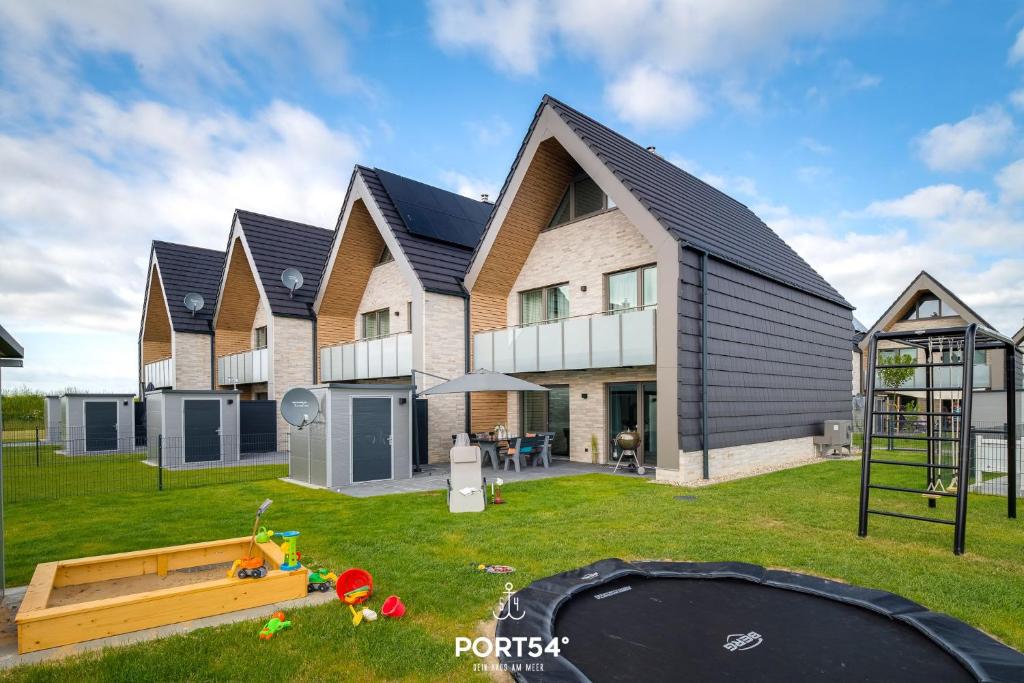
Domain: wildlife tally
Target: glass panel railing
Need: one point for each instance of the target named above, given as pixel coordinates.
(638, 337)
(606, 341)
(549, 346)
(577, 343)
(526, 349)
(389, 356)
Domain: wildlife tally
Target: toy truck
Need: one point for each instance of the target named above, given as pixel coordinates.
(321, 580)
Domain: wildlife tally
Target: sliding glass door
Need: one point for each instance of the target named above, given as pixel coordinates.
(633, 406)
(548, 411)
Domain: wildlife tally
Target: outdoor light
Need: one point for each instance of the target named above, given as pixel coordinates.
(583, 395)
(583, 288)
(231, 401)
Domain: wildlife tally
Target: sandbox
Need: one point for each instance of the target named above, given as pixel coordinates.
(71, 601)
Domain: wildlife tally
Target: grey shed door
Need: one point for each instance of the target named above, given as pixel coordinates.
(201, 427)
(371, 438)
(101, 425)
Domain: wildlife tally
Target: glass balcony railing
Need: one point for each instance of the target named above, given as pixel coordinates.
(601, 340)
(247, 367)
(389, 356)
(159, 373)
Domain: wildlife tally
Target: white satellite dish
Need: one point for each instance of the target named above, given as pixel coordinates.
(292, 279)
(299, 407)
(194, 302)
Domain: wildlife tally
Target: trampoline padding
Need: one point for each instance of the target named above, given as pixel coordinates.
(738, 622)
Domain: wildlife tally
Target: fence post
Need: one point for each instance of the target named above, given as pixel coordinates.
(37, 446)
(160, 462)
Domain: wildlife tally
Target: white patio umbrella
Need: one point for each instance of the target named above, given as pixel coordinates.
(482, 380)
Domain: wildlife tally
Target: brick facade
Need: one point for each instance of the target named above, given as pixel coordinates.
(444, 351)
(386, 288)
(191, 361)
(291, 363)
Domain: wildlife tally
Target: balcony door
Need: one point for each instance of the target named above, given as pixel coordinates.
(548, 411)
(634, 406)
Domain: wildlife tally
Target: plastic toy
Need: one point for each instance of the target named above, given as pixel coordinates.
(496, 492)
(277, 623)
(290, 550)
(392, 607)
(321, 580)
(354, 587)
(495, 568)
(264, 535)
(252, 566)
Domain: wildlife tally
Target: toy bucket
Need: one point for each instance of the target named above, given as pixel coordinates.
(349, 584)
(392, 607)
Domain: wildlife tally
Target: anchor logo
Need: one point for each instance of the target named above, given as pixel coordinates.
(511, 603)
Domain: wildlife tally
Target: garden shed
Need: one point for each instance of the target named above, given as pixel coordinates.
(97, 423)
(51, 418)
(363, 433)
(192, 426)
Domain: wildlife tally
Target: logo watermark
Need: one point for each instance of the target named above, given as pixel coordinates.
(737, 642)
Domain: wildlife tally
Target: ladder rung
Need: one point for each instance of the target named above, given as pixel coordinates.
(914, 437)
(923, 492)
(919, 365)
(903, 515)
(928, 413)
(913, 464)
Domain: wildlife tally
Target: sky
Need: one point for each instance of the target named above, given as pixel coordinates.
(879, 138)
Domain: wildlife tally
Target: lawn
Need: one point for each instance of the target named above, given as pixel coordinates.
(802, 519)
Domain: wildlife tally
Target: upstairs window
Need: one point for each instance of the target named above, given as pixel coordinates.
(928, 306)
(634, 288)
(385, 256)
(547, 303)
(582, 198)
(259, 337)
(376, 323)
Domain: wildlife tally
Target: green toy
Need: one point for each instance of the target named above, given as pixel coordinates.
(290, 550)
(277, 623)
(264, 535)
(321, 580)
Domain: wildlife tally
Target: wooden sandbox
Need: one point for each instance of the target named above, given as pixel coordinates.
(71, 601)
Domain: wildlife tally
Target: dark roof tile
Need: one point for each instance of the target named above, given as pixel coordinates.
(185, 269)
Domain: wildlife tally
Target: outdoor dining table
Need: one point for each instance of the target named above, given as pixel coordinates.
(490, 445)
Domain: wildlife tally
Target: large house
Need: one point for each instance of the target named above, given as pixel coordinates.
(176, 345)
(643, 298)
(928, 304)
(265, 331)
(391, 305)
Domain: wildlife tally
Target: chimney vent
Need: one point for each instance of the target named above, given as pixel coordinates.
(484, 197)
(652, 149)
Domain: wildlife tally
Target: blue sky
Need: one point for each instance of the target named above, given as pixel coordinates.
(879, 138)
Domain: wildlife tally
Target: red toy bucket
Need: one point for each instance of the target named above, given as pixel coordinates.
(392, 607)
(350, 581)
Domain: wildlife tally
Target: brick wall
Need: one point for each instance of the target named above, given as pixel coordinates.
(741, 460)
(444, 349)
(291, 365)
(191, 361)
(386, 288)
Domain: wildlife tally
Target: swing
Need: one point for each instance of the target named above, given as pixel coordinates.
(937, 487)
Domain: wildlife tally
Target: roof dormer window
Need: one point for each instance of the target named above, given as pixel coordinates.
(385, 256)
(928, 306)
(582, 198)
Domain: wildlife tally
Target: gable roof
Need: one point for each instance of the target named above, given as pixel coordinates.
(11, 352)
(1018, 337)
(695, 212)
(185, 269)
(439, 259)
(924, 282)
(277, 244)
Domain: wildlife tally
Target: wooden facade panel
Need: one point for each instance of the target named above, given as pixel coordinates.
(360, 249)
(239, 302)
(156, 331)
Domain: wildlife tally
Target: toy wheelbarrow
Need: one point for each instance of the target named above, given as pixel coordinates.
(354, 587)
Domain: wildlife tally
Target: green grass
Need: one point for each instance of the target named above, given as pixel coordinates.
(802, 519)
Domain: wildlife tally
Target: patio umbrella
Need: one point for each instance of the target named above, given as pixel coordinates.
(482, 380)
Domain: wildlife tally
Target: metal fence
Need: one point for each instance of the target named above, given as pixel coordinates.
(988, 464)
(38, 465)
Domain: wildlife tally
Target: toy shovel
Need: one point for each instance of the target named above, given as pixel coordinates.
(357, 616)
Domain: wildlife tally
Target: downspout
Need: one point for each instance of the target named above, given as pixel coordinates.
(705, 464)
(315, 354)
(213, 361)
(468, 403)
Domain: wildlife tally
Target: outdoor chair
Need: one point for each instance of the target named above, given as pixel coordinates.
(527, 447)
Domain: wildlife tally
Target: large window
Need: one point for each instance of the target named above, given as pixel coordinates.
(928, 307)
(547, 303)
(376, 323)
(259, 337)
(582, 198)
(632, 288)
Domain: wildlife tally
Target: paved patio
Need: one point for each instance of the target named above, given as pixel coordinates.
(434, 478)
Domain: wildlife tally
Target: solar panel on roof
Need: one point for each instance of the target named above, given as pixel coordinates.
(435, 213)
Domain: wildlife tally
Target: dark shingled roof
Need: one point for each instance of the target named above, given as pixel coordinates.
(185, 269)
(277, 244)
(697, 213)
(440, 265)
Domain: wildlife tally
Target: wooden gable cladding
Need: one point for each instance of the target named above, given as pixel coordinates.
(156, 331)
(360, 249)
(240, 301)
(531, 210)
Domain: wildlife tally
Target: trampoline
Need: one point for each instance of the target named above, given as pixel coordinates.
(730, 621)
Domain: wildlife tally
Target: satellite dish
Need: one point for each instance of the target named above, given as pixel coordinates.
(194, 302)
(292, 279)
(299, 407)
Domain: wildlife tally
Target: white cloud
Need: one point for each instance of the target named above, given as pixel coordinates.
(1016, 53)
(965, 144)
(514, 33)
(651, 98)
(79, 205)
(1010, 181)
(1017, 98)
(469, 187)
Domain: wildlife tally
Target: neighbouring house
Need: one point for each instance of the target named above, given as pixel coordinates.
(264, 330)
(1018, 338)
(859, 330)
(12, 355)
(927, 304)
(176, 343)
(391, 304)
(644, 298)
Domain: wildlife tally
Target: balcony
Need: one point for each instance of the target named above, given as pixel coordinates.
(158, 373)
(247, 367)
(602, 340)
(389, 356)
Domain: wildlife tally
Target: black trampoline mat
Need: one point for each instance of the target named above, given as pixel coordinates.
(676, 629)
